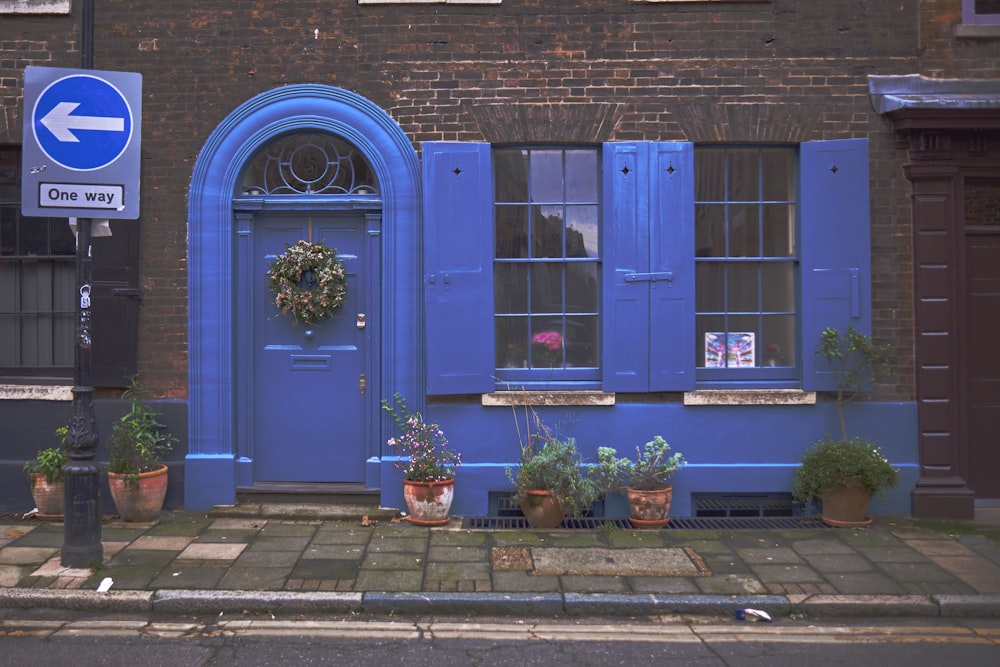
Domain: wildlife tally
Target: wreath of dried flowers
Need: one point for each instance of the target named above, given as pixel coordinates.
(308, 281)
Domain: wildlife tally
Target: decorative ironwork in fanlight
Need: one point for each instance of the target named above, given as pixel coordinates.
(309, 164)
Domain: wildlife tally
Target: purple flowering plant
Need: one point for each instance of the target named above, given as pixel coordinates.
(422, 447)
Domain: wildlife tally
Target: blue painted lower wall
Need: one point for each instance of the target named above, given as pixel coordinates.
(733, 449)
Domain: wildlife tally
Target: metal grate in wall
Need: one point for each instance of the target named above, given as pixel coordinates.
(676, 523)
(733, 505)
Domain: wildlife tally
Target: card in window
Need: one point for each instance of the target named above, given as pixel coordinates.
(730, 350)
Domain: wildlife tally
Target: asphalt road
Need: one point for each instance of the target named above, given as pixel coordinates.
(82, 640)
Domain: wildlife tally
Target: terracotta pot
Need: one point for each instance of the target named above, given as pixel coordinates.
(142, 501)
(649, 509)
(846, 506)
(50, 498)
(429, 502)
(542, 509)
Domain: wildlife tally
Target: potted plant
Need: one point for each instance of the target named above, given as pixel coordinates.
(646, 480)
(844, 474)
(428, 465)
(548, 482)
(137, 476)
(46, 478)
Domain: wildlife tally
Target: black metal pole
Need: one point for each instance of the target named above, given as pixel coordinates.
(82, 522)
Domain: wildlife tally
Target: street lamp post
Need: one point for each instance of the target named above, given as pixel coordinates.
(82, 522)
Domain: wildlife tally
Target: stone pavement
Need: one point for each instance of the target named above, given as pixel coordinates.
(205, 563)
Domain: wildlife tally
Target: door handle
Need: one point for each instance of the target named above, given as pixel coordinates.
(362, 382)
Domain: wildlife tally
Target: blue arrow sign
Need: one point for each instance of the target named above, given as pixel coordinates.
(82, 122)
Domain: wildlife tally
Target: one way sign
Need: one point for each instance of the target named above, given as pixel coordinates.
(81, 152)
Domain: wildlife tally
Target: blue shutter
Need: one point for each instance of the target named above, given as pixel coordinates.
(458, 263)
(625, 361)
(648, 252)
(836, 256)
(671, 256)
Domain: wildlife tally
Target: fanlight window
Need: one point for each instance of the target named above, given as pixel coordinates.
(309, 164)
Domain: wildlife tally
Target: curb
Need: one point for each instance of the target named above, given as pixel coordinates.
(498, 604)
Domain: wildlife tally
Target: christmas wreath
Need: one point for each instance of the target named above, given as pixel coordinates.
(308, 281)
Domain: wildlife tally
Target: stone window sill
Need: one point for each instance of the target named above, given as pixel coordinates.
(750, 397)
(518, 398)
(977, 31)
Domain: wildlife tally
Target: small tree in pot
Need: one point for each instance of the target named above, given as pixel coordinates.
(136, 473)
(646, 480)
(844, 474)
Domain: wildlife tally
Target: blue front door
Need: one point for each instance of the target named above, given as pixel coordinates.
(311, 391)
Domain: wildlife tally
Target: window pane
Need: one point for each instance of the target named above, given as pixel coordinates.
(546, 176)
(742, 281)
(548, 343)
(779, 230)
(8, 230)
(710, 175)
(546, 288)
(779, 340)
(710, 287)
(581, 341)
(778, 167)
(511, 288)
(581, 231)
(710, 340)
(581, 288)
(61, 238)
(710, 230)
(743, 176)
(511, 232)
(546, 233)
(510, 167)
(778, 287)
(988, 6)
(33, 238)
(581, 176)
(744, 231)
(511, 332)
(982, 202)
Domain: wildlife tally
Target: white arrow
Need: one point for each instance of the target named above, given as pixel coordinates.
(61, 124)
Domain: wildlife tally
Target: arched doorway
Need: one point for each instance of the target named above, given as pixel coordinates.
(307, 394)
(233, 229)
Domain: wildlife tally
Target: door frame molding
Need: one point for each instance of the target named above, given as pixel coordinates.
(211, 460)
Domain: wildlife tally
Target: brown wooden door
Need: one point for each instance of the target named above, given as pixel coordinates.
(982, 358)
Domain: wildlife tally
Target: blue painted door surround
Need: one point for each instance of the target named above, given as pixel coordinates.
(309, 385)
(219, 228)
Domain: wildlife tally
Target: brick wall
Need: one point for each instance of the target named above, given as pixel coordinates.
(525, 70)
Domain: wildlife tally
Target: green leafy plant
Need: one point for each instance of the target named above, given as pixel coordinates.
(829, 463)
(138, 440)
(550, 463)
(652, 468)
(50, 461)
(856, 360)
(422, 446)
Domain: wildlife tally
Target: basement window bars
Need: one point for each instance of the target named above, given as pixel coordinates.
(310, 163)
